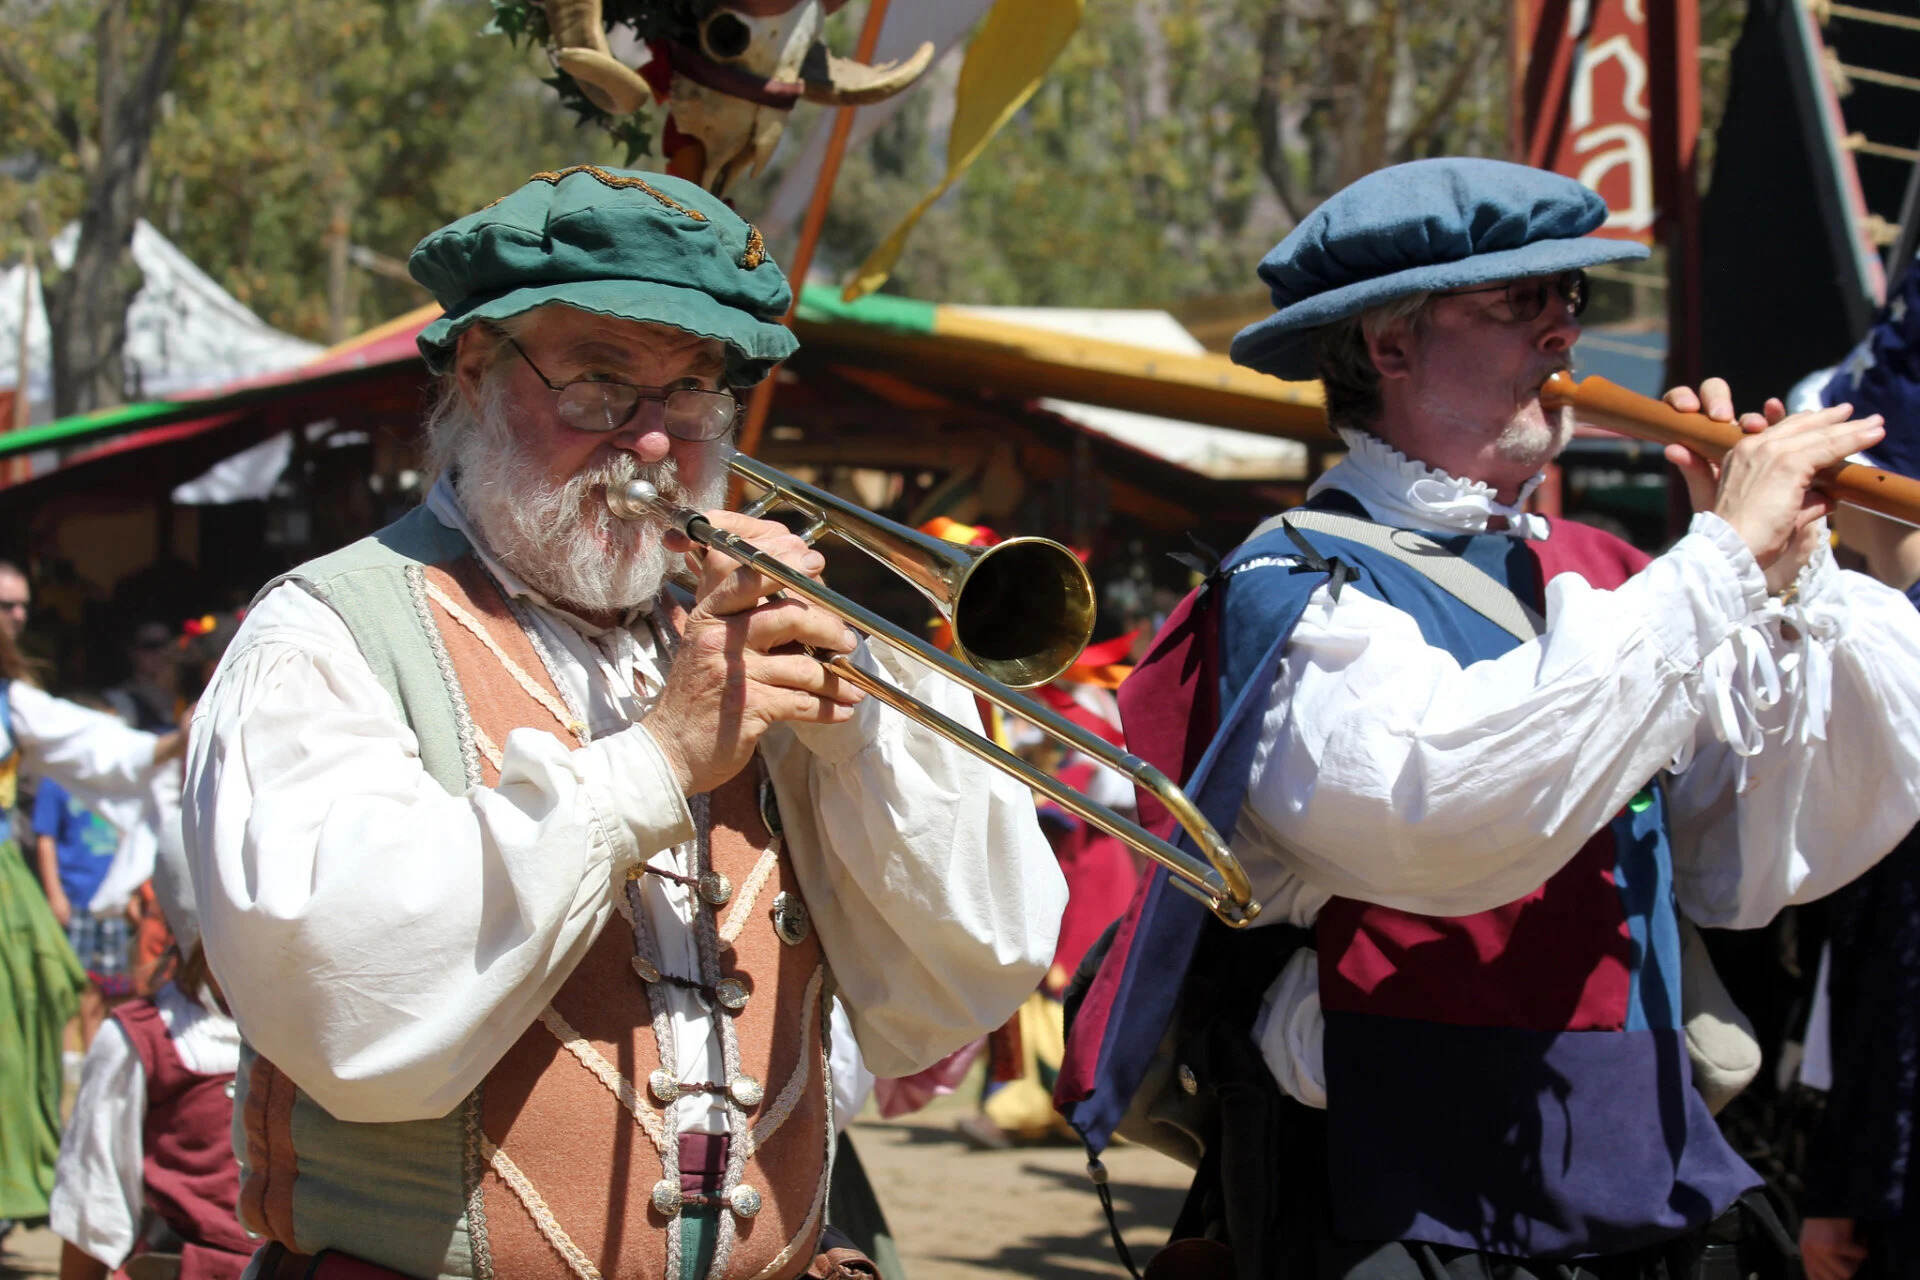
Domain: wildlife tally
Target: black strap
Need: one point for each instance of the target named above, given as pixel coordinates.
(1759, 1207)
(1203, 560)
(1338, 572)
(1098, 1172)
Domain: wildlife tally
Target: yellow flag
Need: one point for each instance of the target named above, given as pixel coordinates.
(1009, 56)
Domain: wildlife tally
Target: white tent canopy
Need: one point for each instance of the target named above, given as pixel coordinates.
(184, 332)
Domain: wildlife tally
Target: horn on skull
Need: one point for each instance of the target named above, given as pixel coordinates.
(843, 82)
(580, 49)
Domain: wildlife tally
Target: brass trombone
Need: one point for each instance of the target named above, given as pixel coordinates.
(1021, 612)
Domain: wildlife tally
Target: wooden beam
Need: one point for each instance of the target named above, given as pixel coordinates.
(975, 355)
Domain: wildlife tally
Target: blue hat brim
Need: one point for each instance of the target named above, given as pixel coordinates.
(753, 345)
(1282, 344)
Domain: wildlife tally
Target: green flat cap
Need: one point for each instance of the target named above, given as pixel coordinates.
(638, 246)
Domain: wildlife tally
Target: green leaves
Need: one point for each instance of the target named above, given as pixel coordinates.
(518, 21)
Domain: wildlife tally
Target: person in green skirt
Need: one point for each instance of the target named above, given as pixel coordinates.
(95, 756)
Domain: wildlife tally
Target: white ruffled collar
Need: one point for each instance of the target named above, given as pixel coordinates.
(1398, 490)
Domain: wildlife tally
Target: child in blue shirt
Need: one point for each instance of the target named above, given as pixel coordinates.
(75, 848)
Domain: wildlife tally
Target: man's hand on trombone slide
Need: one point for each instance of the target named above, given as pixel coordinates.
(744, 664)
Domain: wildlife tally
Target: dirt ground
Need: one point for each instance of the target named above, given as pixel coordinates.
(960, 1214)
(31, 1252)
(956, 1213)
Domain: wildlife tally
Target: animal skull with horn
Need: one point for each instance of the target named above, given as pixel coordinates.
(728, 71)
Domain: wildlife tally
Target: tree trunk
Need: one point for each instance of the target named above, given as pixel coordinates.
(1268, 105)
(87, 303)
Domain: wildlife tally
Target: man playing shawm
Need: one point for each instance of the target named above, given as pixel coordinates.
(1479, 765)
(530, 880)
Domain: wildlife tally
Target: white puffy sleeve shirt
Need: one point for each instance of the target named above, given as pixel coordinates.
(1390, 772)
(90, 753)
(384, 942)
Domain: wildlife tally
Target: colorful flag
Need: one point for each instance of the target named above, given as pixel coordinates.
(1008, 58)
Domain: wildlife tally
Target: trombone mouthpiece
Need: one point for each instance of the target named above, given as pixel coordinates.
(634, 500)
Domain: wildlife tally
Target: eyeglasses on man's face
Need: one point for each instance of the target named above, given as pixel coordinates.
(604, 404)
(1527, 298)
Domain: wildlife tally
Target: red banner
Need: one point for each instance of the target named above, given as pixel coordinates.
(1585, 102)
(1608, 92)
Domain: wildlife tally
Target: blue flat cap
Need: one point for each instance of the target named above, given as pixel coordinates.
(1426, 225)
(635, 246)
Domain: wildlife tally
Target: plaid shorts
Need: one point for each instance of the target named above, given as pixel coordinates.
(104, 945)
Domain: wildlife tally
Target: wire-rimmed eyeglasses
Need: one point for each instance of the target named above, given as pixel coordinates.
(602, 404)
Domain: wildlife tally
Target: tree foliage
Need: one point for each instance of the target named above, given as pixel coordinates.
(1349, 86)
(297, 124)
(1174, 142)
(101, 126)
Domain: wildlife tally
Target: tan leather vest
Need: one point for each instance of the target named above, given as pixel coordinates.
(570, 1169)
(580, 1164)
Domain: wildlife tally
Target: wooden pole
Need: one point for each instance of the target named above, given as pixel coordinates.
(22, 410)
(762, 403)
(1673, 52)
(1673, 28)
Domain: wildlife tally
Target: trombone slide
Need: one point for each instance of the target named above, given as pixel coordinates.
(1215, 878)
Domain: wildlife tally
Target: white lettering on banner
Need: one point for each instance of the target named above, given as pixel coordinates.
(1632, 151)
(1600, 132)
(1634, 67)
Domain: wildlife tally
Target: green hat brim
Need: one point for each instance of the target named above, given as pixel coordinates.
(753, 345)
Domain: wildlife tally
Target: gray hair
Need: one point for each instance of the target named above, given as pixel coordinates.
(1345, 366)
(450, 417)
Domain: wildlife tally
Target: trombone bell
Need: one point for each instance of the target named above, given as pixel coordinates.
(1022, 611)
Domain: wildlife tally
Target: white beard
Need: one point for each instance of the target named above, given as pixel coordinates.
(1535, 445)
(562, 540)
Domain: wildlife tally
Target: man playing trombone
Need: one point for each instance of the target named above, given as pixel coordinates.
(531, 880)
(1486, 765)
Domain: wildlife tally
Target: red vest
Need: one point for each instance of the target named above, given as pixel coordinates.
(188, 1167)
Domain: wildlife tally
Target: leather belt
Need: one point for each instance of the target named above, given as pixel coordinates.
(703, 1168)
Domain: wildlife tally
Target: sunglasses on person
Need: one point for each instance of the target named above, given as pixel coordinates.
(1526, 299)
(604, 404)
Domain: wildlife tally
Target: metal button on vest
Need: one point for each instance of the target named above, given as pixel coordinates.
(744, 1200)
(1189, 1083)
(790, 919)
(732, 993)
(746, 1091)
(649, 971)
(229, 1089)
(663, 1084)
(666, 1196)
(715, 888)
